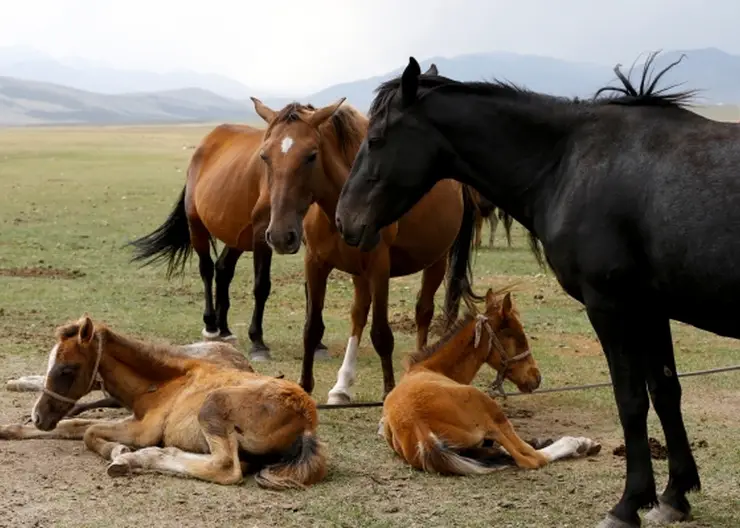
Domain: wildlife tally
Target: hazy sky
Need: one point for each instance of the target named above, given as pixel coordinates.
(300, 45)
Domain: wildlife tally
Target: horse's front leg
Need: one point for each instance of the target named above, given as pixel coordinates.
(110, 439)
(317, 274)
(380, 331)
(73, 429)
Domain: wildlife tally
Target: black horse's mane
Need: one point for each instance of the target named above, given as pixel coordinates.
(645, 94)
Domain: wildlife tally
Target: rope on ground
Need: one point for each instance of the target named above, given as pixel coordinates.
(543, 391)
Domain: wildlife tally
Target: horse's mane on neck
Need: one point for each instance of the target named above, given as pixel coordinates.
(428, 351)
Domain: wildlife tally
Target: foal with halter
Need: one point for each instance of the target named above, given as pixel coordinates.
(437, 422)
(213, 416)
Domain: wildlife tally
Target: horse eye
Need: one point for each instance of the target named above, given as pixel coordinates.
(375, 142)
(311, 157)
(263, 155)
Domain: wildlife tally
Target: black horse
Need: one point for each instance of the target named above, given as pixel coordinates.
(634, 199)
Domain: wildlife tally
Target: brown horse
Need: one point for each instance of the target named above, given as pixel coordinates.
(437, 422)
(308, 154)
(213, 417)
(225, 197)
(486, 210)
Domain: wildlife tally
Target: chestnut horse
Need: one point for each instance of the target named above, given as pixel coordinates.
(225, 196)
(308, 154)
(437, 422)
(213, 417)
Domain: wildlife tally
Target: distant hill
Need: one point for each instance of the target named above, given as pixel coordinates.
(26, 102)
(32, 103)
(28, 64)
(714, 72)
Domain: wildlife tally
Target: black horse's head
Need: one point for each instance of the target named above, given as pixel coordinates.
(400, 160)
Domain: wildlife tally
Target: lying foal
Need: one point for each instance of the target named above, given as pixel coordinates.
(436, 421)
(214, 417)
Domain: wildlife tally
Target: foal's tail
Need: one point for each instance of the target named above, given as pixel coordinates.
(437, 457)
(303, 465)
(459, 269)
(170, 241)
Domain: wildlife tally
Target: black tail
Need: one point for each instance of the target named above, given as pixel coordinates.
(459, 269)
(170, 241)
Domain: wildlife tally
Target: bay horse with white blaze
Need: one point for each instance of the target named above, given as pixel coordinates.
(225, 197)
(437, 422)
(308, 154)
(634, 199)
(198, 411)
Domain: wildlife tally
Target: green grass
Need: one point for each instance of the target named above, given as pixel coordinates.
(70, 198)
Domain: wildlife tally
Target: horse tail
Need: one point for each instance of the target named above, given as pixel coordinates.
(302, 465)
(435, 456)
(170, 241)
(459, 269)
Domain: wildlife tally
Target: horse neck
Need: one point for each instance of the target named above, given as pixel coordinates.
(458, 358)
(336, 164)
(508, 145)
(130, 368)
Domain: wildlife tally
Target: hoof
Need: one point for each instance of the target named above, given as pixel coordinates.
(338, 398)
(210, 336)
(260, 353)
(381, 427)
(612, 522)
(588, 447)
(664, 514)
(321, 353)
(228, 338)
(118, 468)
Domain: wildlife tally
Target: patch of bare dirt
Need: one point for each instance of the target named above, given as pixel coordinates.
(43, 272)
(406, 324)
(574, 345)
(657, 450)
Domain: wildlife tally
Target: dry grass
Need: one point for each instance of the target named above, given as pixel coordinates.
(70, 198)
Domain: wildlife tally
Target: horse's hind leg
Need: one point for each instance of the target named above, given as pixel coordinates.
(32, 383)
(200, 239)
(431, 278)
(492, 224)
(225, 268)
(340, 393)
(221, 465)
(478, 228)
(380, 332)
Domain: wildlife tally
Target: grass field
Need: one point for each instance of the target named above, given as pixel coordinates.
(71, 197)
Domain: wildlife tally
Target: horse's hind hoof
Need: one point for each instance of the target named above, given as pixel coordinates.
(612, 522)
(118, 468)
(664, 514)
(338, 398)
(228, 338)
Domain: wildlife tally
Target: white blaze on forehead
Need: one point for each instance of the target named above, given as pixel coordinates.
(286, 144)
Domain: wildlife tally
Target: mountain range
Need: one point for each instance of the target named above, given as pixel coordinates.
(36, 89)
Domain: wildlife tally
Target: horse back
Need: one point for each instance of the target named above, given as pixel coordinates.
(226, 183)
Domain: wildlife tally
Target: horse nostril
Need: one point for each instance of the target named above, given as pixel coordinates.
(338, 222)
(291, 238)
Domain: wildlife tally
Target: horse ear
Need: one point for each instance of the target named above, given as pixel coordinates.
(322, 114)
(85, 333)
(507, 305)
(263, 110)
(490, 298)
(410, 82)
(432, 70)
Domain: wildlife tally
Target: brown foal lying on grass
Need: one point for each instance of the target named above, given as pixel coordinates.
(214, 416)
(436, 421)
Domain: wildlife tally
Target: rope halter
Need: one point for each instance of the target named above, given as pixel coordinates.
(93, 376)
(481, 322)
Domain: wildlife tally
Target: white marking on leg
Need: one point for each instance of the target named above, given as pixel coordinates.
(568, 447)
(33, 383)
(210, 335)
(286, 144)
(346, 376)
(49, 365)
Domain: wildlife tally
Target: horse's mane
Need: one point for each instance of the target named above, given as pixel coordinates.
(428, 351)
(347, 126)
(627, 94)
